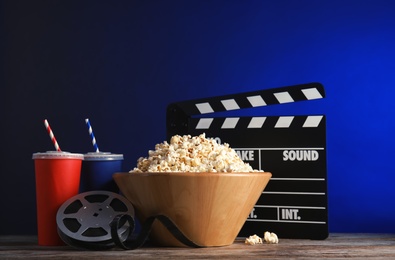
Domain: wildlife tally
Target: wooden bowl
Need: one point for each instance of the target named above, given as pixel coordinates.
(209, 208)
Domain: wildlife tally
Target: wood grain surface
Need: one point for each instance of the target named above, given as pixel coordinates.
(336, 246)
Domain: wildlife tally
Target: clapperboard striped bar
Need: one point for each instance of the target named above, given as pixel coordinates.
(293, 148)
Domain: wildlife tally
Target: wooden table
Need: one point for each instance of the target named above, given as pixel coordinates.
(361, 246)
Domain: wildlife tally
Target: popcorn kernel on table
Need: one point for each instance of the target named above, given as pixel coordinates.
(253, 240)
(192, 154)
(270, 238)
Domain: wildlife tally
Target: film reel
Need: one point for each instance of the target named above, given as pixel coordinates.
(84, 220)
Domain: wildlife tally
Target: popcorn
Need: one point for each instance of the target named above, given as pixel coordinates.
(192, 154)
(253, 240)
(270, 238)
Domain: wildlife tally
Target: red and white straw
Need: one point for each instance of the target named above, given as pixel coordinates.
(51, 135)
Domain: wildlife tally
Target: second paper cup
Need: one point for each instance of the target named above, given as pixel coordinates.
(97, 171)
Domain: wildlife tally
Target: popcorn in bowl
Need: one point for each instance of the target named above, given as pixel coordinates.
(192, 154)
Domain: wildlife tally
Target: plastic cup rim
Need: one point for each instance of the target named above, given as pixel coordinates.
(102, 156)
(57, 155)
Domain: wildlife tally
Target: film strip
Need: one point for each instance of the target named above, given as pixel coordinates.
(101, 220)
(292, 148)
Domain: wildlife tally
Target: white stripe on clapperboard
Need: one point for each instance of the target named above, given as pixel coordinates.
(287, 221)
(257, 122)
(258, 101)
(278, 207)
(280, 148)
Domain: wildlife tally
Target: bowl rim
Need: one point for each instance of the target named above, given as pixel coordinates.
(192, 174)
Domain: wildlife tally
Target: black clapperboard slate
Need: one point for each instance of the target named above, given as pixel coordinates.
(292, 148)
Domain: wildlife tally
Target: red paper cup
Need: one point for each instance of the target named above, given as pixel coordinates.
(57, 180)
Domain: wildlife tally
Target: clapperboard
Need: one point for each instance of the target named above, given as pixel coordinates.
(292, 148)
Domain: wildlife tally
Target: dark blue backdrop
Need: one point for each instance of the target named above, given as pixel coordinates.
(121, 62)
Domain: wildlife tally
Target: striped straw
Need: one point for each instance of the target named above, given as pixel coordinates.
(92, 135)
(51, 135)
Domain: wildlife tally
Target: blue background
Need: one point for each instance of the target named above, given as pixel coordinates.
(120, 63)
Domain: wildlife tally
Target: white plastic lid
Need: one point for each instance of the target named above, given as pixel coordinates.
(58, 155)
(102, 156)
